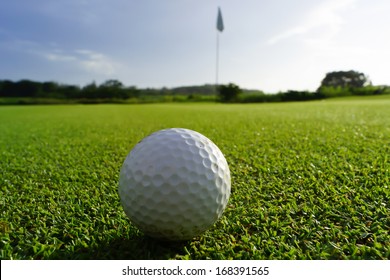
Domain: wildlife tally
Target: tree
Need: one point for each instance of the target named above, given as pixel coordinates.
(342, 83)
(8, 89)
(89, 91)
(115, 84)
(50, 89)
(229, 93)
(69, 91)
(345, 79)
(110, 89)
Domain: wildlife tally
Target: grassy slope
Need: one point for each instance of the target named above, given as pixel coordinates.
(309, 180)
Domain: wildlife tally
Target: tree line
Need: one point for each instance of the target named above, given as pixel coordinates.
(111, 89)
(32, 92)
(338, 83)
(335, 84)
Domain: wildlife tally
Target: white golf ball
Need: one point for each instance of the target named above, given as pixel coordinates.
(174, 184)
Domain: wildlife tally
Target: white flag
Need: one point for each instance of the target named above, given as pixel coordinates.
(219, 21)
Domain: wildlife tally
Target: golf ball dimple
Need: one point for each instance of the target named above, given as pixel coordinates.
(174, 184)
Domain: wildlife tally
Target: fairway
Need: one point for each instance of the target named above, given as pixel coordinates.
(309, 180)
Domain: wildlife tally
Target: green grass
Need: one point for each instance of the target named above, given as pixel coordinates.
(309, 180)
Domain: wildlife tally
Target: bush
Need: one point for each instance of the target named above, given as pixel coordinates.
(328, 92)
(370, 90)
(293, 95)
(229, 93)
(253, 98)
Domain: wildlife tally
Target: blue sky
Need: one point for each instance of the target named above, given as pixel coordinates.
(271, 45)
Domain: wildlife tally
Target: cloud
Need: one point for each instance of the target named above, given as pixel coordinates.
(59, 56)
(85, 61)
(89, 61)
(325, 15)
(96, 62)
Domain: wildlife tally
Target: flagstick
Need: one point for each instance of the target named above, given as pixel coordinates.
(219, 29)
(217, 65)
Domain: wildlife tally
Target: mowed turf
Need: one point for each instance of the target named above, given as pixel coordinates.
(309, 180)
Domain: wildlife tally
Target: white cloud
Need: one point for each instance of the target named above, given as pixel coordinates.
(59, 56)
(88, 60)
(325, 15)
(96, 62)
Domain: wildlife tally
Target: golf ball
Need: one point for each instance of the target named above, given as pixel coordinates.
(174, 184)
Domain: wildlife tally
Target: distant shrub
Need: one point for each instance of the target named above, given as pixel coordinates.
(294, 95)
(253, 98)
(328, 91)
(370, 90)
(229, 93)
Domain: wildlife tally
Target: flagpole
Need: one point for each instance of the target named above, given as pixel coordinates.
(220, 28)
(217, 62)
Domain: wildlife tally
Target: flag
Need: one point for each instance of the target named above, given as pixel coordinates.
(219, 21)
